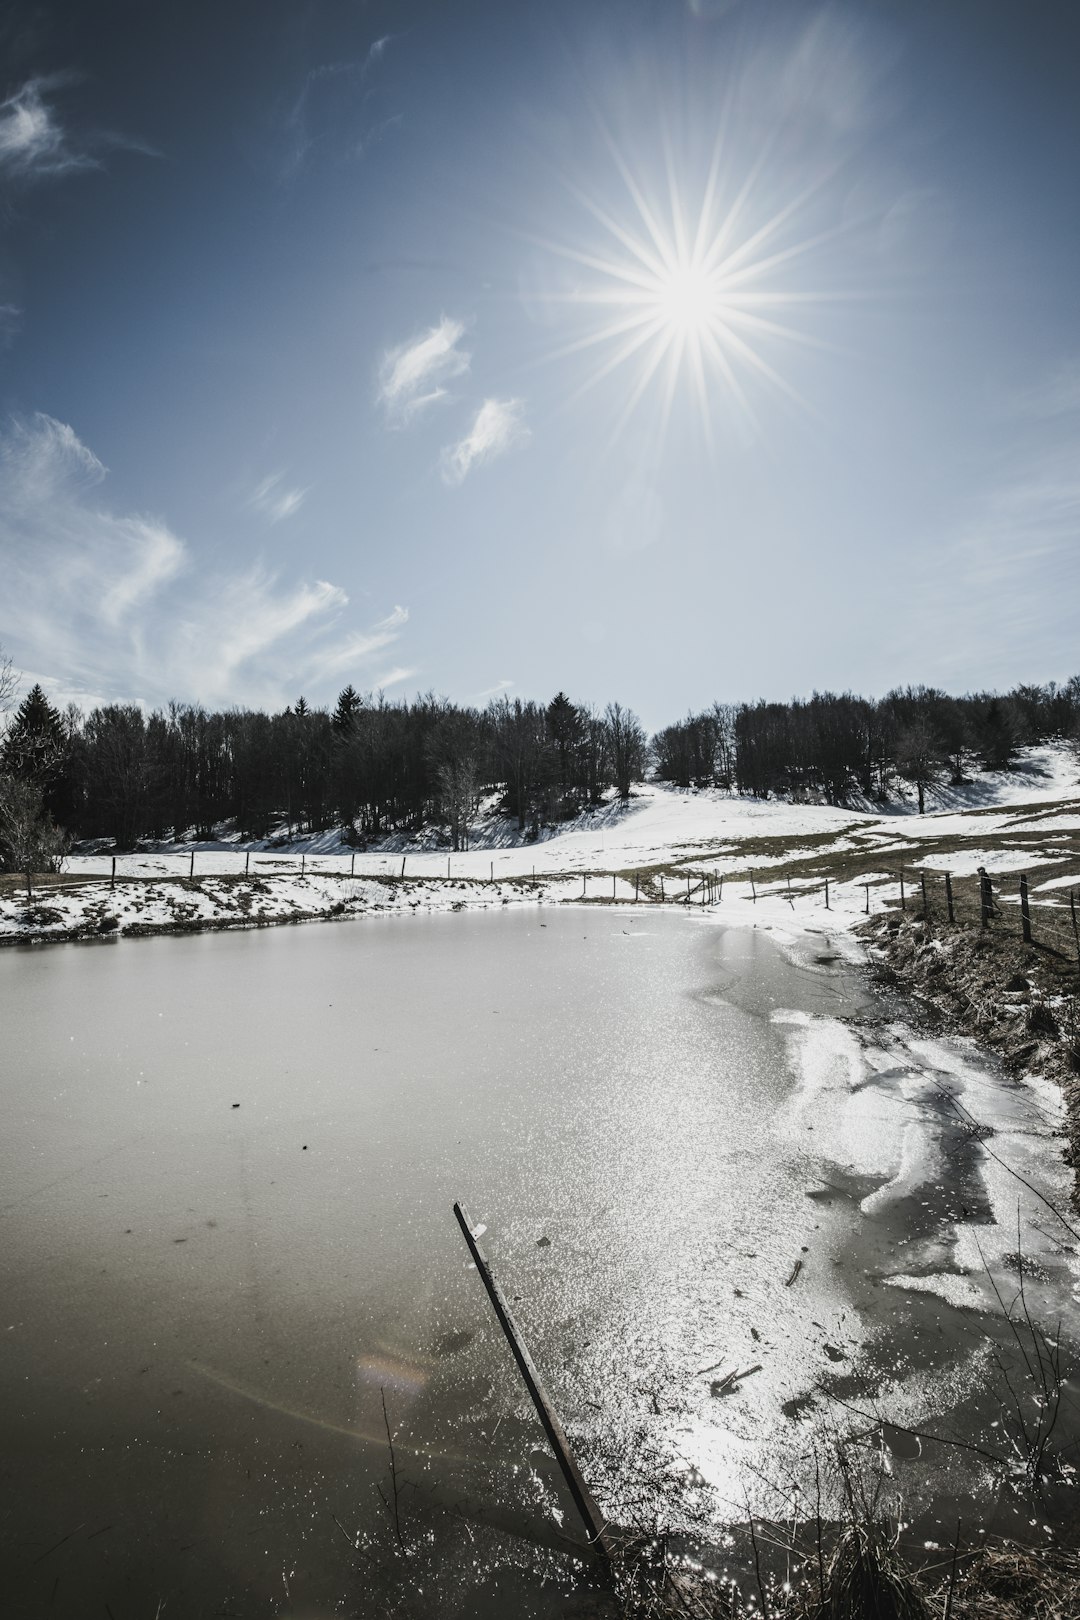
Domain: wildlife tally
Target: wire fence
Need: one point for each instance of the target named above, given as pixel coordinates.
(1004, 905)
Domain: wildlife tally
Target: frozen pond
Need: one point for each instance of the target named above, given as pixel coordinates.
(693, 1152)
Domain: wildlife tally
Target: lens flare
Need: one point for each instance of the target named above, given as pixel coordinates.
(692, 295)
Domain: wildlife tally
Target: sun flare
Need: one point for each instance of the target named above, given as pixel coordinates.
(691, 296)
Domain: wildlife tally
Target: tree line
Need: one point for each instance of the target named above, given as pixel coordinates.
(843, 749)
(371, 767)
(374, 767)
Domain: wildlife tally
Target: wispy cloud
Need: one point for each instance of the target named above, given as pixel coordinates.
(393, 677)
(493, 691)
(35, 145)
(32, 141)
(414, 375)
(274, 500)
(330, 104)
(10, 324)
(114, 604)
(355, 649)
(498, 426)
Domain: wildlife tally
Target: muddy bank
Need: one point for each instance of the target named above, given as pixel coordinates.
(1020, 1000)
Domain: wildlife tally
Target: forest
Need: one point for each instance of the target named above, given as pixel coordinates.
(374, 767)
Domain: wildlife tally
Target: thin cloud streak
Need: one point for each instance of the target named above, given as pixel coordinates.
(274, 501)
(34, 145)
(497, 427)
(113, 603)
(413, 375)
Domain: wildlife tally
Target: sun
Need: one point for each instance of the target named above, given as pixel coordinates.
(689, 294)
(686, 300)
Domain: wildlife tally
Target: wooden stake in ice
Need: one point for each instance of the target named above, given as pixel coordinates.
(595, 1524)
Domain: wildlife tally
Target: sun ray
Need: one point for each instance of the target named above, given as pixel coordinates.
(696, 287)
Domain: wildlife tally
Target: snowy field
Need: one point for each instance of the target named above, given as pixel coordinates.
(772, 857)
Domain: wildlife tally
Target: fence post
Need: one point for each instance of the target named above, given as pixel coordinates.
(637, 880)
(721, 894)
(925, 901)
(191, 868)
(827, 905)
(491, 879)
(403, 859)
(1076, 929)
(303, 860)
(613, 885)
(688, 888)
(247, 863)
(584, 881)
(985, 898)
(448, 866)
(903, 899)
(866, 886)
(112, 880)
(661, 887)
(1025, 909)
(949, 896)
(753, 891)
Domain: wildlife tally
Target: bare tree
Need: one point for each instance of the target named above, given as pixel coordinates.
(627, 743)
(8, 683)
(918, 757)
(29, 840)
(456, 780)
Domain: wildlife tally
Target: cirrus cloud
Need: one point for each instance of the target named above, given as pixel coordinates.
(114, 605)
(414, 375)
(497, 426)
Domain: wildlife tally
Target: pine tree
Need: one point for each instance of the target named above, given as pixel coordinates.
(35, 746)
(349, 704)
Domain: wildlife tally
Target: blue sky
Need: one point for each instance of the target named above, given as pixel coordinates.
(660, 352)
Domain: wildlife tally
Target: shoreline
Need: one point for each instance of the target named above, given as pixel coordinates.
(1018, 1001)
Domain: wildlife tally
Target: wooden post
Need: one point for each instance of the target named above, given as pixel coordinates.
(1076, 927)
(688, 888)
(827, 905)
(866, 886)
(637, 883)
(613, 885)
(753, 891)
(593, 1520)
(448, 866)
(925, 902)
(191, 868)
(903, 900)
(1025, 909)
(491, 879)
(583, 882)
(949, 897)
(112, 880)
(247, 863)
(661, 886)
(985, 898)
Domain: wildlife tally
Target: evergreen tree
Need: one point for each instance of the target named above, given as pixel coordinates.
(35, 745)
